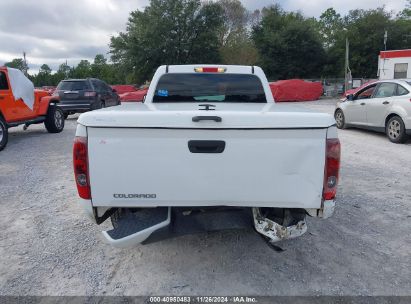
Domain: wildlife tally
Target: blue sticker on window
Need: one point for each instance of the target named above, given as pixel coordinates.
(162, 93)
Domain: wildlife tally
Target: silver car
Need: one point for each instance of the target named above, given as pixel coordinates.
(383, 106)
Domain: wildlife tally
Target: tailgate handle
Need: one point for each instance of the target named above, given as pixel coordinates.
(199, 118)
(206, 146)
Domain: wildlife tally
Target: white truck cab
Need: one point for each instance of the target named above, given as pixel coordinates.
(209, 149)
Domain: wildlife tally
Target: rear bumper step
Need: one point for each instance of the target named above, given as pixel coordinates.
(133, 228)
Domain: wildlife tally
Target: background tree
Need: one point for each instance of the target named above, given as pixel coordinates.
(235, 20)
(44, 77)
(330, 25)
(406, 12)
(285, 44)
(99, 68)
(365, 31)
(168, 32)
(288, 45)
(236, 46)
(18, 63)
(63, 72)
(45, 69)
(82, 70)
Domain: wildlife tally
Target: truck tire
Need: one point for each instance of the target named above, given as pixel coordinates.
(4, 134)
(54, 122)
(395, 130)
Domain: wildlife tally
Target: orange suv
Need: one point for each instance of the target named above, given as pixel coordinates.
(20, 104)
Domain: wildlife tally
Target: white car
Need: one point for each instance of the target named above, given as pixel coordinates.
(209, 149)
(383, 106)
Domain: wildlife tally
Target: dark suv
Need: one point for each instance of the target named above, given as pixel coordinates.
(81, 95)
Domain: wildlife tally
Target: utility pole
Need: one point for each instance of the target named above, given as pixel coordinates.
(347, 68)
(66, 70)
(25, 64)
(385, 40)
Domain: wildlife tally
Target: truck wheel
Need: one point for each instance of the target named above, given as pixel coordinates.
(4, 134)
(339, 119)
(395, 130)
(54, 122)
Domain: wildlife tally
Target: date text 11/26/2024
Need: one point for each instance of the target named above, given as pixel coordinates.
(204, 299)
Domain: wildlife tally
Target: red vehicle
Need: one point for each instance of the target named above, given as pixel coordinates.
(136, 96)
(20, 104)
(123, 88)
(353, 91)
(296, 90)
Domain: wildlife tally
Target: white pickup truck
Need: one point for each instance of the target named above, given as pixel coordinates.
(209, 149)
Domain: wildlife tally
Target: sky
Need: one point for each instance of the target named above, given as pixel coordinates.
(53, 31)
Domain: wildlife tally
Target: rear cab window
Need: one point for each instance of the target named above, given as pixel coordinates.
(3, 81)
(209, 87)
(74, 85)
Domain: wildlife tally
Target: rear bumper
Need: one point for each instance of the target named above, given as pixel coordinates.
(78, 105)
(177, 222)
(156, 224)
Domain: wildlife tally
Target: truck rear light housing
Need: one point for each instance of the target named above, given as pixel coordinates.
(80, 163)
(89, 94)
(332, 167)
(209, 70)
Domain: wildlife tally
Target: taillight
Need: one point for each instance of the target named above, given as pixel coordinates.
(332, 167)
(89, 94)
(209, 70)
(80, 163)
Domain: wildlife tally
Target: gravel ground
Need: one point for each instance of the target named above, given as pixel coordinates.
(48, 247)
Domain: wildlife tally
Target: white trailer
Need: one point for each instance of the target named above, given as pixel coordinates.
(394, 64)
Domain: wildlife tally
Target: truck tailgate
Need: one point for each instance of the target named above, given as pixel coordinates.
(147, 167)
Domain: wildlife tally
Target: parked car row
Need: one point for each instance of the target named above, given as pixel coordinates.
(81, 95)
(22, 104)
(382, 106)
